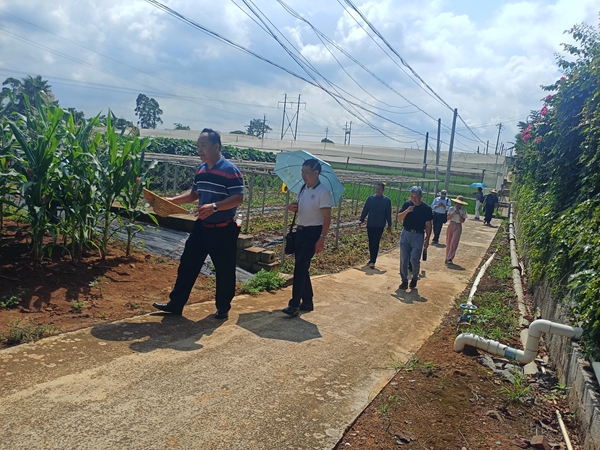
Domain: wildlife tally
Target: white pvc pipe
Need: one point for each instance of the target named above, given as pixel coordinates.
(536, 329)
(478, 279)
(514, 260)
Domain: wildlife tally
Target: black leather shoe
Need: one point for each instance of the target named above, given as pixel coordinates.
(404, 285)
(304, 307)
(221, 315)
(167, 308)
(291, 311)
(413, 284)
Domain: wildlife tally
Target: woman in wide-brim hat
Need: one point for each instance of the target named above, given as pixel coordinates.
(457, 214)
(489, 204)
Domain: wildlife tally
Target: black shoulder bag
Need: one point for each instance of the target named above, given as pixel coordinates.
(290, 238)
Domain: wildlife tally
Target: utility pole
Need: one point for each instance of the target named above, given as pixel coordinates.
(345, 133)
(349, 132)
(284, 129)
(448, 167)
(283, 119)
(487, 147)
(498, 139)
(437, 154)
(264, 124)
(326, 132)
(425, 155)
(297, 116)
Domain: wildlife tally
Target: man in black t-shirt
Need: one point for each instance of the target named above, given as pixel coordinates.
(416, 232)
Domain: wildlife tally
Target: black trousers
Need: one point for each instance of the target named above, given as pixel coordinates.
(221, 244)
(374, 235)
(438, 223)
(489, 213)
(306, 239)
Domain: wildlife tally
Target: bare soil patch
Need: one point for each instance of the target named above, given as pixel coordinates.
(66, 296)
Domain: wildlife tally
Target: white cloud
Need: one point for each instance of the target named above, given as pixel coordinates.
(488, 61)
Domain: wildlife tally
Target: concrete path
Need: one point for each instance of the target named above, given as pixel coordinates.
(257, 381)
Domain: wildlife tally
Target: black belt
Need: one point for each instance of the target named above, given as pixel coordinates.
(440, 214)
(414, 231)
(302, 227)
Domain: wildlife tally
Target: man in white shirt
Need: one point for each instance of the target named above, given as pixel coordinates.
(440, 210)
(314, 218)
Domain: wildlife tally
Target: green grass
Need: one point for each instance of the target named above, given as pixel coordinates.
(19, 334)
(10, 301)
(502, 270)
(263, 281)
(517, 392)
(494, 318)
(77, 306)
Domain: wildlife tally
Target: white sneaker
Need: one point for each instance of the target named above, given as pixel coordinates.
(372, 265)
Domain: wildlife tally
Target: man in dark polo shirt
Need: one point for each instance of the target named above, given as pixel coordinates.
(219, 188)
(416, 232)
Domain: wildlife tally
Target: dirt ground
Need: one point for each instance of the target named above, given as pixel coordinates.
(438, 400)
(67, 296)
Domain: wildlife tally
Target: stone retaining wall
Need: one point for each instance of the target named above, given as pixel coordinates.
(572, 368)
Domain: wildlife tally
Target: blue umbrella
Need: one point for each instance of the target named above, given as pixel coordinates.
(288, 167)
(481, 185)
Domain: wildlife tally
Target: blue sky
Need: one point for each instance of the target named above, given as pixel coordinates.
(487, 59)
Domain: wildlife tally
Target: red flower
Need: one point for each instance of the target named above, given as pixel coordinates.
(528, 129)
(527, 136)
(538, 140)
(544, 111)
(521, 155)
(549, 97)
(563, 78)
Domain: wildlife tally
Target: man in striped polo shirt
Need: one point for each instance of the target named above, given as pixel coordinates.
(219, 188)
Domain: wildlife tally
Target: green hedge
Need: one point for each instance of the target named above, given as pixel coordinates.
(557, 187)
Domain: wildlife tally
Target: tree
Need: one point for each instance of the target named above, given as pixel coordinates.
(237, 132)
(258, 128)
(29, 86)
(148, 110)
(78, 116)
(329, 141)
(179, 126)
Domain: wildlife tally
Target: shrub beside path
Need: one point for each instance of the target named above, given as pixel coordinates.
(258, 380)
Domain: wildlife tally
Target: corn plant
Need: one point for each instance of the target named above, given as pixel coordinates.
(38, 134)
(78, 187)
(116, 170)
(130, 196)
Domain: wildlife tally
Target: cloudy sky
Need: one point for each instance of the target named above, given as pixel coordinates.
(485, 58)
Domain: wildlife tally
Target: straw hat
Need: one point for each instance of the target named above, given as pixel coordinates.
(460, 200)
(494, 191)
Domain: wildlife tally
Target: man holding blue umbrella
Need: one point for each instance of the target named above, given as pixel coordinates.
(313, 207)
(479, 197)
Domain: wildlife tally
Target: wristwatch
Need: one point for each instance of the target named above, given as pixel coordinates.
(323, 236)
(215, 207)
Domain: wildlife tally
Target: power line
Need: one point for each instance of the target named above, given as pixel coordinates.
(335, 96)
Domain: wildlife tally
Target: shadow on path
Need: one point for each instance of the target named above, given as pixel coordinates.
(370, 270)
(409, 297)
(174, 332)
(276, 325)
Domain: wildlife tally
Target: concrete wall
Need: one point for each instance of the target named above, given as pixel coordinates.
(573, 370)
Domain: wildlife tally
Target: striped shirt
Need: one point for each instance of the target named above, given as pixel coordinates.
(216, 184)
